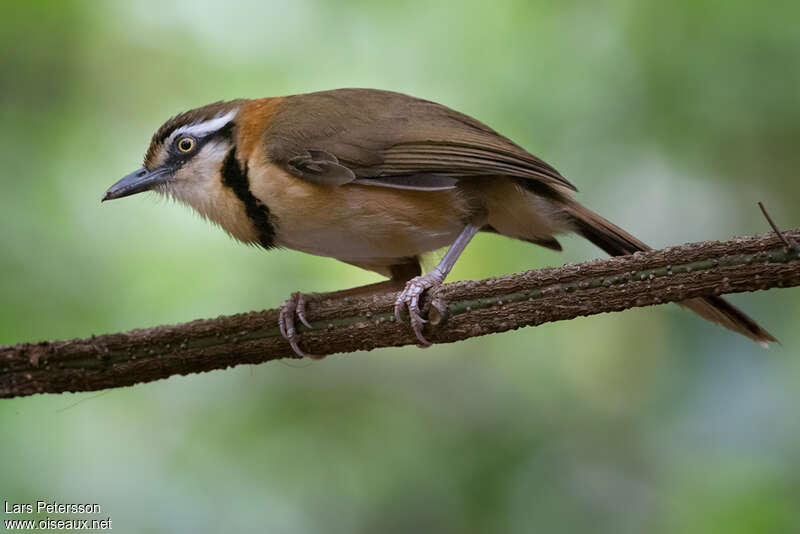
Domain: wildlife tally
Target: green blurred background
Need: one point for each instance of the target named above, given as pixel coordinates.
(673, 119)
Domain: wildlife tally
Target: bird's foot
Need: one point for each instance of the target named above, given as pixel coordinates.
(409, 298)
(294, 307)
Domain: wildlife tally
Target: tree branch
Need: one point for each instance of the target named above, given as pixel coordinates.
(458, 311)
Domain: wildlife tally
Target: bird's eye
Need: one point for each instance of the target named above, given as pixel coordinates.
(186, 144)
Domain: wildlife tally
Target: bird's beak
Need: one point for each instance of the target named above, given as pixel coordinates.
(136, 182)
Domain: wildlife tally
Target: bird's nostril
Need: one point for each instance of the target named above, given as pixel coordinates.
(141, 173)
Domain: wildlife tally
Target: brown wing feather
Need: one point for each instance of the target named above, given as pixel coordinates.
(380, 134)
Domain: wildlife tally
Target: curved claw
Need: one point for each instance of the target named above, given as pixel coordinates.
(301, 309)
(409, 298)
(281, 324)
(399, 304)
(295, 305)
(417, 323)
(296, 347)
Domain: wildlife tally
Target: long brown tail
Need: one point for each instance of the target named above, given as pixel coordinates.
(617, 242)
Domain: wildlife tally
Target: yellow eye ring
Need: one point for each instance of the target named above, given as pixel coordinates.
(186, 144)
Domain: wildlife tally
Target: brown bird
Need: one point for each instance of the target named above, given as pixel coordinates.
(375, 179)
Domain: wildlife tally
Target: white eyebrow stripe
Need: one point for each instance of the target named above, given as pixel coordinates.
(201, 129)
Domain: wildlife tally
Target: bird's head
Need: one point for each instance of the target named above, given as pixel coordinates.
(185, 154)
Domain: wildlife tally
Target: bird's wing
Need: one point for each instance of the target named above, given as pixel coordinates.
(380, 138)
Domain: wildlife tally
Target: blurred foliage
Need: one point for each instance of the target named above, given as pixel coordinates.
(673, 118)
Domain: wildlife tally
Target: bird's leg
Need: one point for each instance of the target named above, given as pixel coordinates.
(295, 305)
(409, 297)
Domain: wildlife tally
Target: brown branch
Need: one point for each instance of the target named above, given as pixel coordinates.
(459, 311)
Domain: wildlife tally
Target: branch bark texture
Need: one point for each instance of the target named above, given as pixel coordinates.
(458, 311)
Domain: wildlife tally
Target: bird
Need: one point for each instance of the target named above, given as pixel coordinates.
(375, 179)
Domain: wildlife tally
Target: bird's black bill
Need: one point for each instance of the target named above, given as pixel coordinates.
(136, 182)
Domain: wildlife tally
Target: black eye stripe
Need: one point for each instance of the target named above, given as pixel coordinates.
(176, 158)
(225, 132)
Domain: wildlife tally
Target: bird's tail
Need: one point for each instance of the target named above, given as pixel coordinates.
(617, 242)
